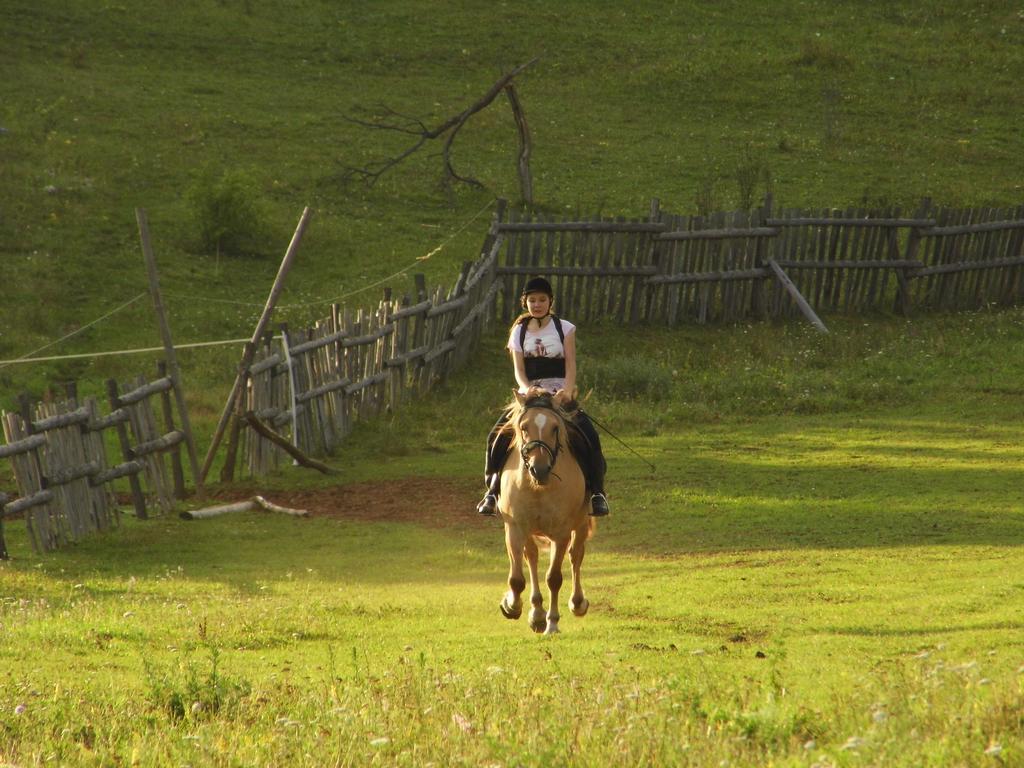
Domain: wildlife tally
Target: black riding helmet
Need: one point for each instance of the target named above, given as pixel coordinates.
(537, 285)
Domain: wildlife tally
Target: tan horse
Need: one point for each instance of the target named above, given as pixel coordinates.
(543, 498)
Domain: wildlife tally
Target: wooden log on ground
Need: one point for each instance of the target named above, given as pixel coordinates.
(220, 509)
(271, 507)
(262, 429)
(242, 506)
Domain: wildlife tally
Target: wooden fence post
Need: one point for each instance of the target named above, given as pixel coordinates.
(168, 413)
(227, 472)
(3, 544)
(268, 309)
(169, 353)
(138, 499)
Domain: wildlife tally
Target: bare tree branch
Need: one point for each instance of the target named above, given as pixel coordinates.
(449, 129)
(525, 145)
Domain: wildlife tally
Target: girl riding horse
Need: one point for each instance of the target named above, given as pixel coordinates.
(543, 349)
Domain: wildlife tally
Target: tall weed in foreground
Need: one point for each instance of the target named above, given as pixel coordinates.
(183, 690)
(915, 710)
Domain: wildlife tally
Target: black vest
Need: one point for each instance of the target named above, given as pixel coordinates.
(542, 367)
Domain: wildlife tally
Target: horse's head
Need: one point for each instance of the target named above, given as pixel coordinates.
(539, 427)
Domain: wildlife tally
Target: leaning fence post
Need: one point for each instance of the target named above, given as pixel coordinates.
(169, 353)
(126, 450)
(261, 324)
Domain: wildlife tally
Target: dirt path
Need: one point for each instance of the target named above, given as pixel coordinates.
(434, 501)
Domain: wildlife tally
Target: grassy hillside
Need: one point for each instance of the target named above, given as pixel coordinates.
(112, 106)
(822, 570)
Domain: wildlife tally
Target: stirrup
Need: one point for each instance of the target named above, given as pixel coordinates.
(488, 505)
(599, 505)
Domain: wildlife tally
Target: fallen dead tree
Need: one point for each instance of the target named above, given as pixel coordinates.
(256, 502)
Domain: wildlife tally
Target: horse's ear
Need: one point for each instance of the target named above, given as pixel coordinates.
(520, 397)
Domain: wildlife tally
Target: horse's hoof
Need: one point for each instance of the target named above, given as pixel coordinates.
(538, 623)
(581, 609)
(552, 629)
(510, 613)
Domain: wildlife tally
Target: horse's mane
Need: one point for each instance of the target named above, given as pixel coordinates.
(539, 398)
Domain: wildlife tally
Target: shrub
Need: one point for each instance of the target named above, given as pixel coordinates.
(228, 212)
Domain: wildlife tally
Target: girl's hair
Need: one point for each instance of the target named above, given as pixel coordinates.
(526, 317)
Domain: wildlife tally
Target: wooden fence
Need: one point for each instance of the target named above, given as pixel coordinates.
(763, 264)
(305, 389)
(310, 387)
(59, 456)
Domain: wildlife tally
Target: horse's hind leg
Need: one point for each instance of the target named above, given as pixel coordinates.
(558, 549)
(578, 604)
(512, 603)
(538, 621)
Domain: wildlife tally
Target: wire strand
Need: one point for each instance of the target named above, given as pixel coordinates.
(138, 350)
(28, 355)
(375, 284)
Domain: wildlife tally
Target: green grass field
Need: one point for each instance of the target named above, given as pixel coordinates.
(802, 581)
(824, 569)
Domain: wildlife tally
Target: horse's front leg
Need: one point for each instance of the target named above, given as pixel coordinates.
(512, 603)
(578, 603)
(558, 549)
(538, 621)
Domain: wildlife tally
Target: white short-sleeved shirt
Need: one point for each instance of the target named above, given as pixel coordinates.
(542, 343)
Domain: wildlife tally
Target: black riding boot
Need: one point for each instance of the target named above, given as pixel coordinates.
(489, 503)
(498, 444)
(595, 465)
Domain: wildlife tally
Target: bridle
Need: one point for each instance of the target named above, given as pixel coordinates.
(542, 402)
